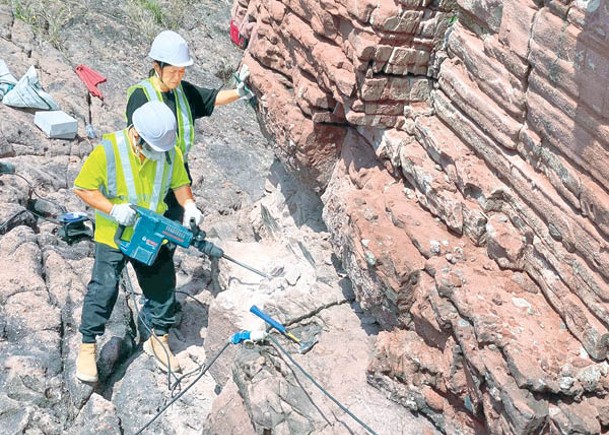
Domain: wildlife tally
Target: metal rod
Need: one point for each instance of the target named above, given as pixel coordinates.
(250, 268)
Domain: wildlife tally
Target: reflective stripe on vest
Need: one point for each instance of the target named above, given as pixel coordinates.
(162, 176)
(122, 142)
(110, 170)
(186, 131)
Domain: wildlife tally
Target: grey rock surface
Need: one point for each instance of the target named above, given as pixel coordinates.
(253, 209)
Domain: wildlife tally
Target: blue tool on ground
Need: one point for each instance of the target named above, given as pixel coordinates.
(73, 228)
(71, 225)
(274, 323)
(151, 230)
(7, 168)
(241, 336)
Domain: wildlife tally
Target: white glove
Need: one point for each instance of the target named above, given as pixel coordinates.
(191, 212)
(243, 91)
(123, 214)
(244, 73)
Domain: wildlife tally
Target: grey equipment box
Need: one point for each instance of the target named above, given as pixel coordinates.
(56, 124)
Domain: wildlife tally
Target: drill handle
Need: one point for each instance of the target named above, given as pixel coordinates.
(211, 250)
(119, 234)
(199, 242)
(196, 231)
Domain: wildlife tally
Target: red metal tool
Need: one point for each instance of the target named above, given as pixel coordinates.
(238, 39)
(91, 78)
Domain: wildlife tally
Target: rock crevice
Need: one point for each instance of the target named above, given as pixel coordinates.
(465, 196)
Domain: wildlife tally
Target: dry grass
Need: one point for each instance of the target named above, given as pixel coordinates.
(145, 18)
(47, 17)
(155, 15)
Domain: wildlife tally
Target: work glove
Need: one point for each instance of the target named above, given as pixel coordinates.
(123, 214)
(243, 91)
(192, 212)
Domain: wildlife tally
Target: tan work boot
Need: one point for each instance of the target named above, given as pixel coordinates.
(157, 346)
(86, 369)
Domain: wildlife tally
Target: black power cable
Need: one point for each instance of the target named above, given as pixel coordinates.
(179, 379)
(172, 401)
(340, 405)
(278, 354)
(31, 190)
(4, 224)
(205, 368)
(177, 384)
(131, 291)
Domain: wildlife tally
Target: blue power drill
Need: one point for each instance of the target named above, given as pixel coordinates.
(151, 230)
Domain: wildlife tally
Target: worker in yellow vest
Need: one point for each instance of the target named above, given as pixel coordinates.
(134, 166)
(170, 56)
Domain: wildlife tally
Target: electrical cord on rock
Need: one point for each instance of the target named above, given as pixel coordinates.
(172, 401)
(204, 368)
(32, 190)
(323, 390)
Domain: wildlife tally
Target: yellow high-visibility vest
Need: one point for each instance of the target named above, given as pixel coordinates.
(186, 127)
(115, 170)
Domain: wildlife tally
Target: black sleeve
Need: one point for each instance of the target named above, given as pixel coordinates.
(136, 100)
(202, 100)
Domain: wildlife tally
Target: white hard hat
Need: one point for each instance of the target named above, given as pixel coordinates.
(156, 124)
(170, 48)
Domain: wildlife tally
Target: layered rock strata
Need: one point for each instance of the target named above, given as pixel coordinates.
(461, 149)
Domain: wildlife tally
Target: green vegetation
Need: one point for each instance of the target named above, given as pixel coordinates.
(23, 12)
(153, 7)
(153, 15)
(47, 17)
(50, 18)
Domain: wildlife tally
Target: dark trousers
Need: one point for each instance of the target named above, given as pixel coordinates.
(157, 281)
(175, 212)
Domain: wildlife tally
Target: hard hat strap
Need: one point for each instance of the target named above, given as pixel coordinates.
(160, 76)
